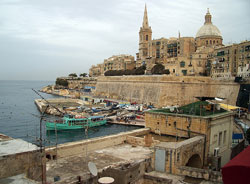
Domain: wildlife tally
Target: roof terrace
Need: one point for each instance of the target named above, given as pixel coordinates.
(200, 108)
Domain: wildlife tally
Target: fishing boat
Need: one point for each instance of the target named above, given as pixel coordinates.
(70, 122)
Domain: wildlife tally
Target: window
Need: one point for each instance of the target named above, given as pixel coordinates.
(199, 64)
(220, 137)
(182, 64)
(173, 70)
(207, 42)
(146, 37)
(224, 137)
(215, 138)
(184, 72)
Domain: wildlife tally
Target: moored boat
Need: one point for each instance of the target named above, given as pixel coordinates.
(70, 122)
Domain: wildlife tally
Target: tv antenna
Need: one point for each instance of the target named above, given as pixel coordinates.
(62, 113)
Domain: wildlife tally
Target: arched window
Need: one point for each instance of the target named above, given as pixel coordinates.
(182, 64)
(146, 37)
(210, 42)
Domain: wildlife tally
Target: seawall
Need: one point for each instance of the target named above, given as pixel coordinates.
(163, 90)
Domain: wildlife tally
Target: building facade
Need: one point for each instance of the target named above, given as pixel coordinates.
(202, 55)
(118, 62)
(208, 35)
(181, 55)
(197, 119)
(231, 61)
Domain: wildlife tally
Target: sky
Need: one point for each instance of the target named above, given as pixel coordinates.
(45, 39)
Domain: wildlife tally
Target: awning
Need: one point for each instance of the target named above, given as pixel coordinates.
(237, 136)
(229, 107)
(237, 170)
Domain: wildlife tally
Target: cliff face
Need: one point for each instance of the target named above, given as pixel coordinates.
(165, 90)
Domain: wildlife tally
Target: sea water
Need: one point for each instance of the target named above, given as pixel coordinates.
(20, 118)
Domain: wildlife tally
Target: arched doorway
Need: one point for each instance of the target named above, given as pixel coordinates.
(194, 161)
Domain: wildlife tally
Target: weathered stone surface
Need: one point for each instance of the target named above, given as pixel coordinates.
(165, 90)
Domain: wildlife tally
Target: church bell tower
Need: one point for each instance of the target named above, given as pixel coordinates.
(145, 35)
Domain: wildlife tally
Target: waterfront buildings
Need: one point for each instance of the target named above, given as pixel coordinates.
(202, 55)
(118, 62)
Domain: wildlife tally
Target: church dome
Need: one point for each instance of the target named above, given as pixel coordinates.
(208, 29)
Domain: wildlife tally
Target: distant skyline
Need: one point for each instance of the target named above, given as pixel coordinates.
(42, 40)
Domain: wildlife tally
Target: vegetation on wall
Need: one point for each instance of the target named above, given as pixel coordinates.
(62, 82)
(73, 75)
(83, 75)
(159, 69)
(138, 71)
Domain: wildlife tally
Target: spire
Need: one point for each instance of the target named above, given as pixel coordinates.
(208, 17)
(145, 18)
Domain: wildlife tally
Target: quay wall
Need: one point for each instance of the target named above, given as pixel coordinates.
(81, 147)
(163, 90)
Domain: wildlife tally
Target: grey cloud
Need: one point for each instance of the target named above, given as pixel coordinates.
(46, 39)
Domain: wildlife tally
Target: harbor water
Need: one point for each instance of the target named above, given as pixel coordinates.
(20, 118)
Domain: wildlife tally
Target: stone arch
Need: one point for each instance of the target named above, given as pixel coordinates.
(194, 161)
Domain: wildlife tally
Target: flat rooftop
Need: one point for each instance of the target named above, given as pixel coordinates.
(76, 165)
(200, 108)
(14, 146)
(18, 179)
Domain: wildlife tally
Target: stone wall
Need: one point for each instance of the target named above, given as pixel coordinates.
(214, 176)
(30, 163)
(163, 90)
(127, 173)
(179, 153)
(139, 141)
(149, 179)
(176, 124)
(76, 148)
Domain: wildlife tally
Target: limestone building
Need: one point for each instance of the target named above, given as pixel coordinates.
(145, 36)
(96, 70)
(118, 62)
(231, 61)
(181, 55)
(197, 119)
(202, 55)
(208, 34)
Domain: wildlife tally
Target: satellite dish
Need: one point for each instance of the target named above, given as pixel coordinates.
(92, 168)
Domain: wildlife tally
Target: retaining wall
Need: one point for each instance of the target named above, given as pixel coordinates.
(76, 148)
(163, 90)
